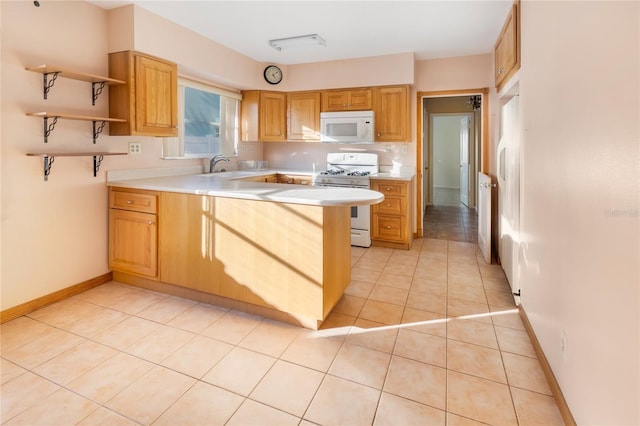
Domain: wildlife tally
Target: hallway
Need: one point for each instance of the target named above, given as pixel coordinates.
(453, 223)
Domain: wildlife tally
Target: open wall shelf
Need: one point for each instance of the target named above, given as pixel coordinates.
(49, 157)
(50, 73)
(49, 126)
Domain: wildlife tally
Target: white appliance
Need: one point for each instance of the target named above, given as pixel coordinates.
(351, 170)
(347, 127)
(509, 193)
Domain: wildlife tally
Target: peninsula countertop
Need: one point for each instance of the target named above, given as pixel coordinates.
(230, 185)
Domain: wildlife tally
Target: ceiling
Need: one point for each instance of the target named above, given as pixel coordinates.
(431, 29)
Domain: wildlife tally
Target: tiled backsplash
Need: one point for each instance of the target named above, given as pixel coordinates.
(304, 156)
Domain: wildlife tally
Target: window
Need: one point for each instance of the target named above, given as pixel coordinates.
(208, 122)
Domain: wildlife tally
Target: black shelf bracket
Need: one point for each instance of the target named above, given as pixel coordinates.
(48, 84)
(48, 127)
(97, 129)
(97, 161)
(48, 162)
(96, 90)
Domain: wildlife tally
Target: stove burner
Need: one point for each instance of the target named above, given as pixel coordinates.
(347, 170)
(337, 172)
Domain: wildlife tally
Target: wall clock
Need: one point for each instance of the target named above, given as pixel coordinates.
(273, 74)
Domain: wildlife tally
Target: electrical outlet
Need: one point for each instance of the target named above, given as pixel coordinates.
(135, 148)
(404, 148)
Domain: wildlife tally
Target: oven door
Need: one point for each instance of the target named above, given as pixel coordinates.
(360, 225)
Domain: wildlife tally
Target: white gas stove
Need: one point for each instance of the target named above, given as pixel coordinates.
(351, 170)
(347, 170)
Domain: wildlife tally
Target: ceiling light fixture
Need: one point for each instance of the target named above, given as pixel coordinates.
(300, 41)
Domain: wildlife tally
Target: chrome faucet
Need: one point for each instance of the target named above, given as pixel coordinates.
(215, 160)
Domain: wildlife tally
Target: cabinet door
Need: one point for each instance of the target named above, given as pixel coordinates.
(360, 100)
(272, 116)
(133, 239)
(392, 114)
(506, 50)
(156, 96)
(389, 228)
(335, 100)
(347, 100)
(303, 116)
(391, 205)
(149, 100)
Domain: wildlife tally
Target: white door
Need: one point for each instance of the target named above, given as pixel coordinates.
(509, 192)
(484, 216)
(464, 160)
(425, 158)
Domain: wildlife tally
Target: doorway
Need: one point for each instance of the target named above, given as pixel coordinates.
(449, 206)
(451, 134)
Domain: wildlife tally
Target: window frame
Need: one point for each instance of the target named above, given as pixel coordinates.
(174, 148)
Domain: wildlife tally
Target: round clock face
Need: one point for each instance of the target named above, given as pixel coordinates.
(273, 74)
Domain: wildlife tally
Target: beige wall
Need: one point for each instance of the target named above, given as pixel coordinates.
(53, 233)
(579, 97)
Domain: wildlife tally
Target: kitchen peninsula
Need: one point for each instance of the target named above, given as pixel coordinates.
(277, 250)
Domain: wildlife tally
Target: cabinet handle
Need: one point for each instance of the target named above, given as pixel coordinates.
(388, 226)
(388, 205)
(129, 202)
(388, 189)
(500, 70)
(150, 222)
(378, 134)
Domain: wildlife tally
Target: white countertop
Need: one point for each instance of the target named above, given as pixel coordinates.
(404, 174)
(226, 184)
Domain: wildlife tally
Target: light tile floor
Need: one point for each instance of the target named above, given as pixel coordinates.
(428, 336)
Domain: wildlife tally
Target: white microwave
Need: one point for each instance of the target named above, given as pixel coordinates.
(347, 127)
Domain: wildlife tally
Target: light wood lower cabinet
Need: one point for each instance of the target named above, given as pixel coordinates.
(291, 259)
(280, 178)
(133, 232)
(390, 219)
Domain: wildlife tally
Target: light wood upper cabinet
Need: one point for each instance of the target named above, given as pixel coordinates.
(264, 116)
(347, 100)
(148, 100)
(391, 108)
(303, 116)
(507, 48)
(272, 116)
(295, 116)
(133, 232)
